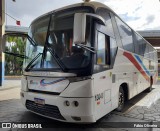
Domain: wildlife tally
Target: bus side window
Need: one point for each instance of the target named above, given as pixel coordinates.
(141, 46)
(113, 51)
(108, 29)
(103, 49)
(126, 35)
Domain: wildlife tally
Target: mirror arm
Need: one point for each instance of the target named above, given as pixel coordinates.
(91, 49)
(102, 20)
(80, 25)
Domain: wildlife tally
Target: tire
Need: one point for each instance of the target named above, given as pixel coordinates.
(149, 89)
(121, 100)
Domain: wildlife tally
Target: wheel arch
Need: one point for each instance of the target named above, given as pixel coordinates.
(125, 88)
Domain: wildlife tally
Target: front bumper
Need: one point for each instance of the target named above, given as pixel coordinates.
(55, 107)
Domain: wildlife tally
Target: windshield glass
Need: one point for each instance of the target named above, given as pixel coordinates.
(38, 32)
(55, 43)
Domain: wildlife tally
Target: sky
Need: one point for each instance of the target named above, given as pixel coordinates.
(138, 14)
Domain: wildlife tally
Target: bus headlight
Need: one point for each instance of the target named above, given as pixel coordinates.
(67, 103)
(24, 85)
(76, 103)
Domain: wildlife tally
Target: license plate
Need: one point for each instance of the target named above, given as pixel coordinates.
(39, 101)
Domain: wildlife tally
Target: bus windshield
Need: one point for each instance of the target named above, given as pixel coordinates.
(54, 37)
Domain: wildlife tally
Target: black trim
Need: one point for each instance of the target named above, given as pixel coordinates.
(46, 110)
(44, 92)
(110, 63)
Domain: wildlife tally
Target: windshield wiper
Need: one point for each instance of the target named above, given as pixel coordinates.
(91, 49)
(17, 55)
(57, 59)
(31, 62)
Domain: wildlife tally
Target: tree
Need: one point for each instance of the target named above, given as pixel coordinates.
(14, 64)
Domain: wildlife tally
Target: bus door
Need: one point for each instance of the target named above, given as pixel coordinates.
(102, 75)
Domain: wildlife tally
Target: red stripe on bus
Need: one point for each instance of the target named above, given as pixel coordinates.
(136, 64)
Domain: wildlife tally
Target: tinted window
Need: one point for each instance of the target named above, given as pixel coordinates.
(136, 43)
(113, 50)
(155, 56)
(141, 45)
(108, 29)
(102, 50)
(151, 52)
(126, 35)
(146, 54)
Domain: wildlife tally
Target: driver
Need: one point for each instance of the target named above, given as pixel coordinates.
(76, 59)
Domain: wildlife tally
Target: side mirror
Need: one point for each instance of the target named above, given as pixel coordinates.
(79, 28)
(80, 25)
(14, 44)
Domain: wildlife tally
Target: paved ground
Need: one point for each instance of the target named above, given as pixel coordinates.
(142, 108)
(10, 84)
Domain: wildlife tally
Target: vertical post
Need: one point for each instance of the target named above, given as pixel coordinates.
(2, 27)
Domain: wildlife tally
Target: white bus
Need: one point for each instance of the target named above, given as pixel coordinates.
(81, 62)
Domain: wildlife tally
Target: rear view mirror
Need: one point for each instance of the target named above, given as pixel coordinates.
(79, 28)
(80, 25)
(14, 44)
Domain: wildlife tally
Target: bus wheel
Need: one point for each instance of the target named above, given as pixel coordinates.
(150, 87)
(121, 100)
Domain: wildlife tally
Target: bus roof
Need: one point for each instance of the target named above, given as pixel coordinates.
(92, 4)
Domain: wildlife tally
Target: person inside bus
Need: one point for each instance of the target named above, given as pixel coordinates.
(77, 58)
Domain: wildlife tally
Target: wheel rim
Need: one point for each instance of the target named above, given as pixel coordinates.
(121, 99)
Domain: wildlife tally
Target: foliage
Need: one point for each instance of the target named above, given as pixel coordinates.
(14, 65)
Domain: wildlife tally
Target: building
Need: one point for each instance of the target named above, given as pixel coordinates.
(153, 37)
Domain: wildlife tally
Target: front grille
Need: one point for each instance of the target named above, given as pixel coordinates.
(47, 110)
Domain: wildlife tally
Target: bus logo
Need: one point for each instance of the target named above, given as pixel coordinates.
(43, 83)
